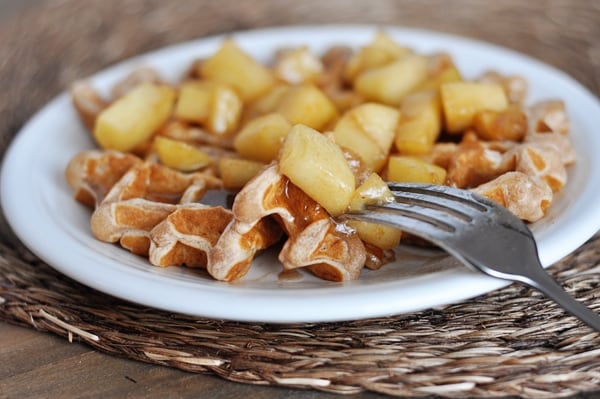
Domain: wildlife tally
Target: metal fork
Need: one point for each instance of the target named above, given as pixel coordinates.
(479, 232)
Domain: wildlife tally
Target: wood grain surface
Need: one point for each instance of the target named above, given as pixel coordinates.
(48, 44)
(36, 365)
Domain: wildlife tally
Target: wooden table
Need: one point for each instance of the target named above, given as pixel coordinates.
(34, 364)
(42, 365)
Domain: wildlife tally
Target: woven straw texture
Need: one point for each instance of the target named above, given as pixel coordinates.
(508, 342)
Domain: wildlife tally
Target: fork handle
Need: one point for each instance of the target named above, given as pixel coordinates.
(541, 280)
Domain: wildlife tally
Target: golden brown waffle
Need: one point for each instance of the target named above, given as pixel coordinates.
(92, 174)
(314, 239)
(149, 209)
(187, 235)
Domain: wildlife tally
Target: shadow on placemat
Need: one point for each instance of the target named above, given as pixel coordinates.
(509, 342)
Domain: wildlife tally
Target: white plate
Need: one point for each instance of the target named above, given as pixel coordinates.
(42, 212)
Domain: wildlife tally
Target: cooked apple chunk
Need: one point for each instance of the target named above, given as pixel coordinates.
(368, 130)
(260, 139)
(299, 65)
(225, 112)
(194, 101)
(379, 235)
(414, 170)
(179, 155)
(266, 103)
(213, 105)
(132, 119)
(382, 50)
(236, 172)
(318, 167)
(307, 105)
(374, 191)
(461, 101)
(421, 123)
(391, 82)
(232, 66)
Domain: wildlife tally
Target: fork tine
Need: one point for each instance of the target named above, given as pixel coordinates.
(408, 223)
(429, 202)
(422, 218)
(459, 202)
(425, 210)
(439, 218)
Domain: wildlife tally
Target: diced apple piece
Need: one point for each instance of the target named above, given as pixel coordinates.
(232, 66)
(368, 130)
(374, 191)
(378, 121)
(384, 42)
(382, 50)
(421, 123)
(350, 135)
(371, 192)
(515, 86)
(235, 172)
(344, 99)
(414, 170)
(307, 105)
(461, 101)
(298, 66)
(318, 167)
(441, 70)
(179, 155)
(261, 138)
(449, 75)
(414, 135)
(212, 104)
(379, 235)
(225, 112)
(266, 103)
(194, 101)
(390, 83)
(366, 58)
(132, 119)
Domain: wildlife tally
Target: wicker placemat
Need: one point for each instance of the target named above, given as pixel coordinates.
(509, 342)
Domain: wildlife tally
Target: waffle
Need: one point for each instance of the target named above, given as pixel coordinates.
(149, 209)
(522, 176)
(153, 211)
(187, 235)
(314, 241)
(92, 174)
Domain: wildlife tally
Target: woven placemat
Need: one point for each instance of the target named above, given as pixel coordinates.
(508, 342)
